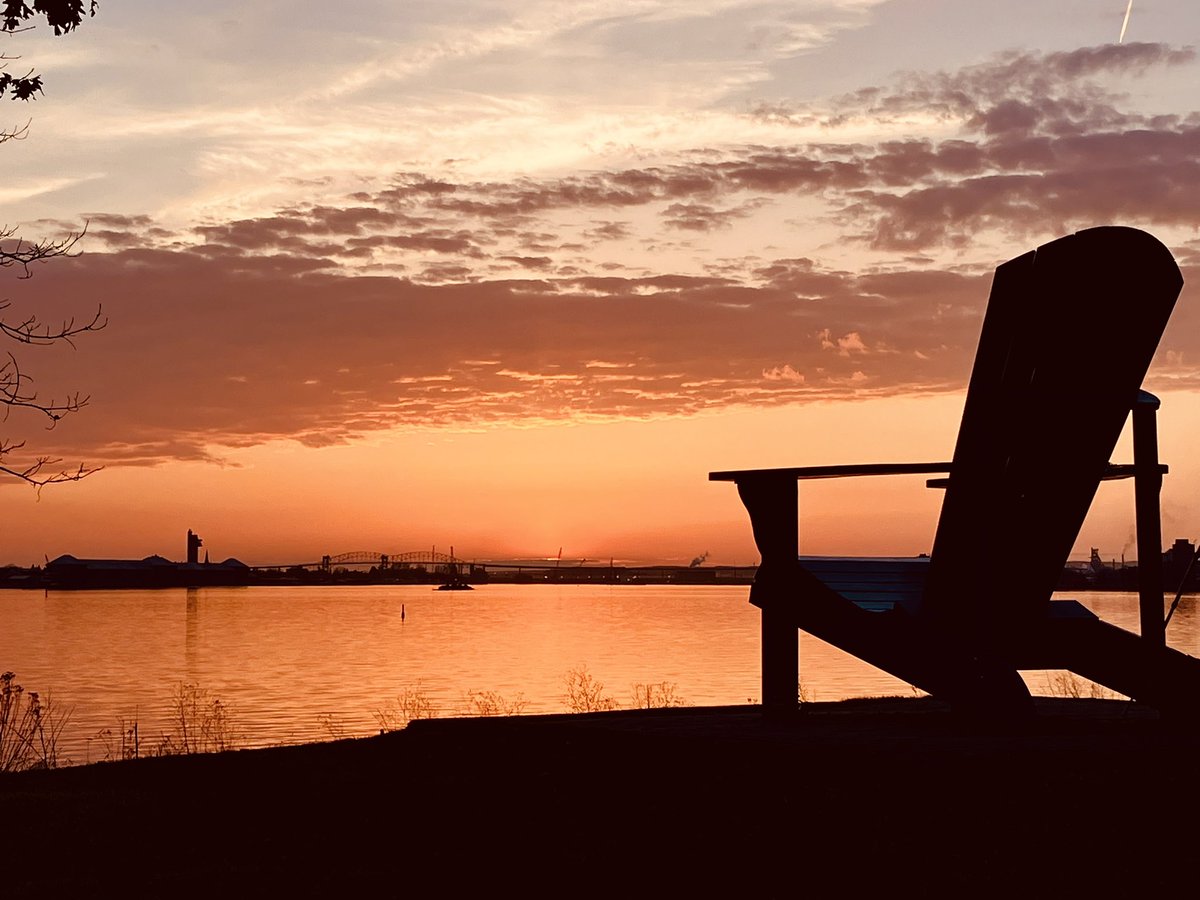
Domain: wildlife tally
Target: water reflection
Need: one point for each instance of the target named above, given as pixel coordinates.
(191, 624)
(290, 661)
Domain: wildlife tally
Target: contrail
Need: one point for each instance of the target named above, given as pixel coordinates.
(1125, 24)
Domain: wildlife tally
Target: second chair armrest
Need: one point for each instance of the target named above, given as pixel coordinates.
(803, 473)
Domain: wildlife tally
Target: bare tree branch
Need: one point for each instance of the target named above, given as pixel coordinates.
(20, 252)
(33, 473)
(32, 331)
(16, 134)
(15, 385)
(15, 393)
(11, 381)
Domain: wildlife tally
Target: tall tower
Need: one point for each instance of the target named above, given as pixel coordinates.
(194, 543)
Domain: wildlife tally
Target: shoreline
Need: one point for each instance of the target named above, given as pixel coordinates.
(356, 580)
(855, 795)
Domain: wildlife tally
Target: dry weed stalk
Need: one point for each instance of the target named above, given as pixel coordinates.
(29, 728)
(658, 695)
(410, 703)
(199, 723)
(584, 693)
(490, 703)
(124, 743)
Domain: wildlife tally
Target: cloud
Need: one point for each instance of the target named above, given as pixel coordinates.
(608, 231)
(1043, 145)
(529, 262)
(699, 216)
(200, 357)
(1044, 148)
(427, 301)
(783, 373)
(1027, 145)
(845, 345)
(1033, 85)
(207, 353)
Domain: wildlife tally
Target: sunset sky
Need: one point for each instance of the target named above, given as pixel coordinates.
(515, 276)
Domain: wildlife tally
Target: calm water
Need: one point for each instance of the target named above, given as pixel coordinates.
(289, 660)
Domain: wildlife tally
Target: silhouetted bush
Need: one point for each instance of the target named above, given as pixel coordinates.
(657, 695)
(584, 693)
(410, 703)
(490, 703)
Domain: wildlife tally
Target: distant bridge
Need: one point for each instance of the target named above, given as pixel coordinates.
(448, 564)
(414, 557)
(426, 558)
(375, 558)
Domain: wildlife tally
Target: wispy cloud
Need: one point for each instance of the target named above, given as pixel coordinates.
(207, 353)
(1034, 144)
(683, 284)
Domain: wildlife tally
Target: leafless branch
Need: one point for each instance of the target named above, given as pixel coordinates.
(22, 252)
(16, 134)
(63, 16)
(13, 395)
(16, 392)
(35, 473)
(31, 330)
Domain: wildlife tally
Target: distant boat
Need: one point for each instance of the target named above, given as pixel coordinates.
(457, 582)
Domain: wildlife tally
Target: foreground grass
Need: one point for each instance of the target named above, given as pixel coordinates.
(198, 721)
(29, 728)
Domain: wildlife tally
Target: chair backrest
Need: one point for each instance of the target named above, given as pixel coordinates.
(1068, 335)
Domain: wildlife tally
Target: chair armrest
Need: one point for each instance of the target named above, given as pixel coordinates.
(804, 473)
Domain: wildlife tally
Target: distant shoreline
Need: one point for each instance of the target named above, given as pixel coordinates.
(37, 579)
(14, 578)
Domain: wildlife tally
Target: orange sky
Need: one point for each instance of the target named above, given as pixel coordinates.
(518, 280)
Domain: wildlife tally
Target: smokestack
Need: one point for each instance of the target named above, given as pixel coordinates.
(193, 548)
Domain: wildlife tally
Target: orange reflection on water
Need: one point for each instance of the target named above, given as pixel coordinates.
(300, 664)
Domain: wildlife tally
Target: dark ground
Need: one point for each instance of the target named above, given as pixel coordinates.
(1093, 797)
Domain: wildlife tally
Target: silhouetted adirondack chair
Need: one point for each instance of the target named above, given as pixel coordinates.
(1069, 333)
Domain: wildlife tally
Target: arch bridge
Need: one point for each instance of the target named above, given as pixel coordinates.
(375, 558)
(355, 558)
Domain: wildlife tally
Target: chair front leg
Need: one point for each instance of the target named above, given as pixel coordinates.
(772, 502)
